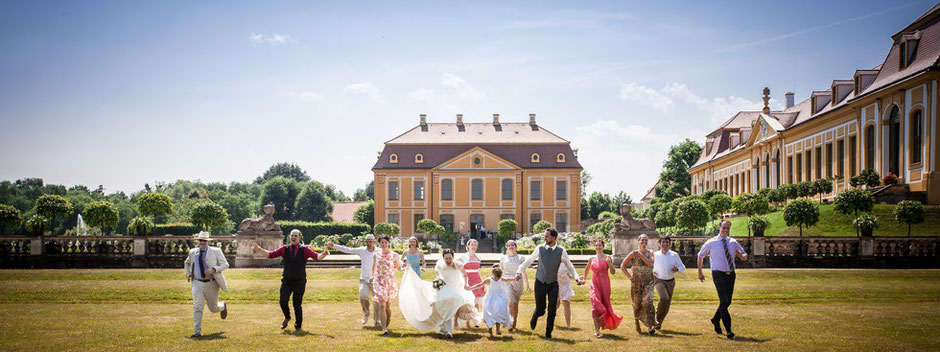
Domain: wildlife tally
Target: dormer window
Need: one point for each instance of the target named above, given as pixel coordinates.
(812, 104)
(535, 157)
(560, 158)
(419, 159)
(907, 51)
(858, 84)
(835, 93)
(393, 159)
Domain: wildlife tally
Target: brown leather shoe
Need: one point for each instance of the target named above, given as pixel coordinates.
(284, 324)
(224, 313)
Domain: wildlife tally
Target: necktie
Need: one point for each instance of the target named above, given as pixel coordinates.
(202, 263)
(728, 254)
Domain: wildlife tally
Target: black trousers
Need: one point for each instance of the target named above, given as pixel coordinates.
(543, 291)
(724, 283)
(297, 288)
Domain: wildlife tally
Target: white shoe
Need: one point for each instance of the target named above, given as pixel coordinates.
(365, 318)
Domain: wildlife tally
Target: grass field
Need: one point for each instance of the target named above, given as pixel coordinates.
(832, 223)
(773, 310)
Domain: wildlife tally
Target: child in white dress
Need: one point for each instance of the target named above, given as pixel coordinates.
(565, 292)
(496, 300)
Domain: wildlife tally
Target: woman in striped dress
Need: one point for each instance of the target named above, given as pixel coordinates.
(471, 266)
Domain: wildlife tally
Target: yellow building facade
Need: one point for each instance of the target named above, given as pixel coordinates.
(882, 118)
(467, 176)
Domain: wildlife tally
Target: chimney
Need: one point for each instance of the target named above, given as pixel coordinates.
(459, 119)
(495, 119)
(532, 119)
(424, 119)
(575, 151)
(380, 155)
(766, 109)
(789, 99)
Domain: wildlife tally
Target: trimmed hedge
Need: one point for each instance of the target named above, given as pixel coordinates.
(179, 228)
(575, 251)
(310, 230)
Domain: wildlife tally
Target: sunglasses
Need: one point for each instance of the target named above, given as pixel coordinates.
(200, 241)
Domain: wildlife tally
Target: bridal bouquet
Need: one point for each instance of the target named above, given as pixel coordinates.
(437, 284)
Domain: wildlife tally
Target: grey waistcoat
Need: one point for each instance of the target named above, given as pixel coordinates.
(549, 260)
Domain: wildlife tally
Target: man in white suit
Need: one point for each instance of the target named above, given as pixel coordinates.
(204, 266)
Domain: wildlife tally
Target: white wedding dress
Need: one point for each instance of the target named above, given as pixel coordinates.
(425, 307)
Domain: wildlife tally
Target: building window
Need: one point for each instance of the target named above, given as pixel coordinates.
(506, 189)
(419, 159)
(533, 219)
(447, 221)
(870, 147)
(393, 159)
(560, 158)
(799, 167)
(813, 104)
(476, 189)
(819, 162)
(790, 169)
(561, 190)
(858, 84)
(507, 216)
(840, 148)
(419, 190)
(477, 161)
(917, 136)
(535, 190)
(393, 190)
(393, 219)
(418, 217)
(535, 157)
(852, 155)
(447, 189)
(829, 162)
(561, 222)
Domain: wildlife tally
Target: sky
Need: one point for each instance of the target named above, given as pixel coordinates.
(127, 92)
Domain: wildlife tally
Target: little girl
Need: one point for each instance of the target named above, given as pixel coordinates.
(565, 292)
(496, 302)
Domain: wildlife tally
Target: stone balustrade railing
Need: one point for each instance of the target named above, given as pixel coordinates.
(104, 251)
(823, 246)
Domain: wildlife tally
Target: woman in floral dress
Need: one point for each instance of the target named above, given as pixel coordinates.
(510, 264)
(383, 280)
(641, 284)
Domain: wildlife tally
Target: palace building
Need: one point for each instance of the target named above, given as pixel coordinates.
(469, 175)
(882, 118)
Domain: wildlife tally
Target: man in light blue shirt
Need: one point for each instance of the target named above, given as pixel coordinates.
(721, 251)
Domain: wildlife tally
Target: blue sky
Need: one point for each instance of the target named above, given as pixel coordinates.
(123, 93)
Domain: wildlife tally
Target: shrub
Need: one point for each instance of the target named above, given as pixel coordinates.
(179, 228)
(506, 228)
(909, 212)
(603, 227)
(719, 204)
(758, 224)
(37, 224)
(865, 223)
(541, 226)
(448, 238)
(387, 229)
(154, 204)
(139, 226)
(751, 204)
(9, 217)
(101, 214)
(805, 189)
(311, 230)
(822, 186)
(851, 201)
(777, 195)
(692, 214)
(707, 196)
(208, 214)
(365, 214)
(609, 215)
(802, 213)
(789, 191)
(666, 217)
(312, 203)
(427, 226)
(890, 179)
(53, 206)
(867, 177)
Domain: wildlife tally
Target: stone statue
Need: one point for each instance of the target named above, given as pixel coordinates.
(628, 223)
(264, 223)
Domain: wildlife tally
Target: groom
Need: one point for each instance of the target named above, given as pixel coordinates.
(294, 280)
(204, 266)
(550, 256)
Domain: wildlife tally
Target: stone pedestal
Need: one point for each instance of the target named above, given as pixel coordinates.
(866, 247)
(35, 247)
(757, 246)
(247, 257)
(624, 242)
(140, 246)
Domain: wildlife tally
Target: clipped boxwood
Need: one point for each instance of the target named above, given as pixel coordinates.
(311, 230)
(178, 228)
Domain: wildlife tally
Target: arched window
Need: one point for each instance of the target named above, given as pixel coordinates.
(870, 147)
(560, 158)
(894, 141)
(917, 136)
(419, 159)
(393, 158)
(535, 157)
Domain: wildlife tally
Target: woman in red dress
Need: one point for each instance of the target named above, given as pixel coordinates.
(601, 309)
(471, 266)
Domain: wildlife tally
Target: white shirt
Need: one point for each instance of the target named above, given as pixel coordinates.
(663, 264)
(367, 258)
(564, 260)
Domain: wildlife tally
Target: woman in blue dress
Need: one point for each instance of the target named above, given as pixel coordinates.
(413, 256)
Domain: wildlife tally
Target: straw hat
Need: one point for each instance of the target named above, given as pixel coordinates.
(202, 235)
(370, 237)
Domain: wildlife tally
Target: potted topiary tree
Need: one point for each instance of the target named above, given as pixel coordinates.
(866, 224)
(802, 213)
(851, 201)
(758, 225)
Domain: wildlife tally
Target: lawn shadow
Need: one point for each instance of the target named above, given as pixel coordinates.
(459, 337)
(750, 339)
(612, 337)
(568, 329)
(558, 339)
(304, 333)
(680, 333)
(213, 336)
(502, 338)
(373, 328)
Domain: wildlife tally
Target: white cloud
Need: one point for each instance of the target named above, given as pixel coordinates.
(646, 96)
(274, 39)
(363, 89)
(256, 38)
(422, 94)
(718, 109)
(310, 96)
(460, 87)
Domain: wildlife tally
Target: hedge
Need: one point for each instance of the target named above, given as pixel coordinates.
(179, 228)
(310, 230)
(576, 251)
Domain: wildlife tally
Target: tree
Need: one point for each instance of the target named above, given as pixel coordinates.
(805, 189)
(822, 186)
(334, 194)
(802, 213)
(586, 179)
(598, 203)
(777, 196)
(101, 214)
(208, 214)
(666, 216)
(286, 170)
(365, 213)
(427, 226)
(619, 199)
(385, 228)
(789, 191)
(853, 200)
(313, 204)
(239, 206)
(37, 224)
(691, 214)
(506, 228)
(140, 226)
(909, 212)
(708, 194)
(674, 180)
(282, 192)
(53, 206)
(751, 204)
(719, 204)
(541, 226)
(155, 205)
(9, 217)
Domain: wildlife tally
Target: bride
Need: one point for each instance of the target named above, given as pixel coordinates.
(425, 307)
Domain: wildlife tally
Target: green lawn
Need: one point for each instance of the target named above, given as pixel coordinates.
(774, 310)
(832, 223)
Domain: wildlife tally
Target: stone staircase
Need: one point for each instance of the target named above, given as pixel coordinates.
(895, 193)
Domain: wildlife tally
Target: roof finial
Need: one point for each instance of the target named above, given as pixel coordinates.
(766, 109)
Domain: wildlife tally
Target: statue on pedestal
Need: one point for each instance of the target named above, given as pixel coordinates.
(264, 223)
(623, 235)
